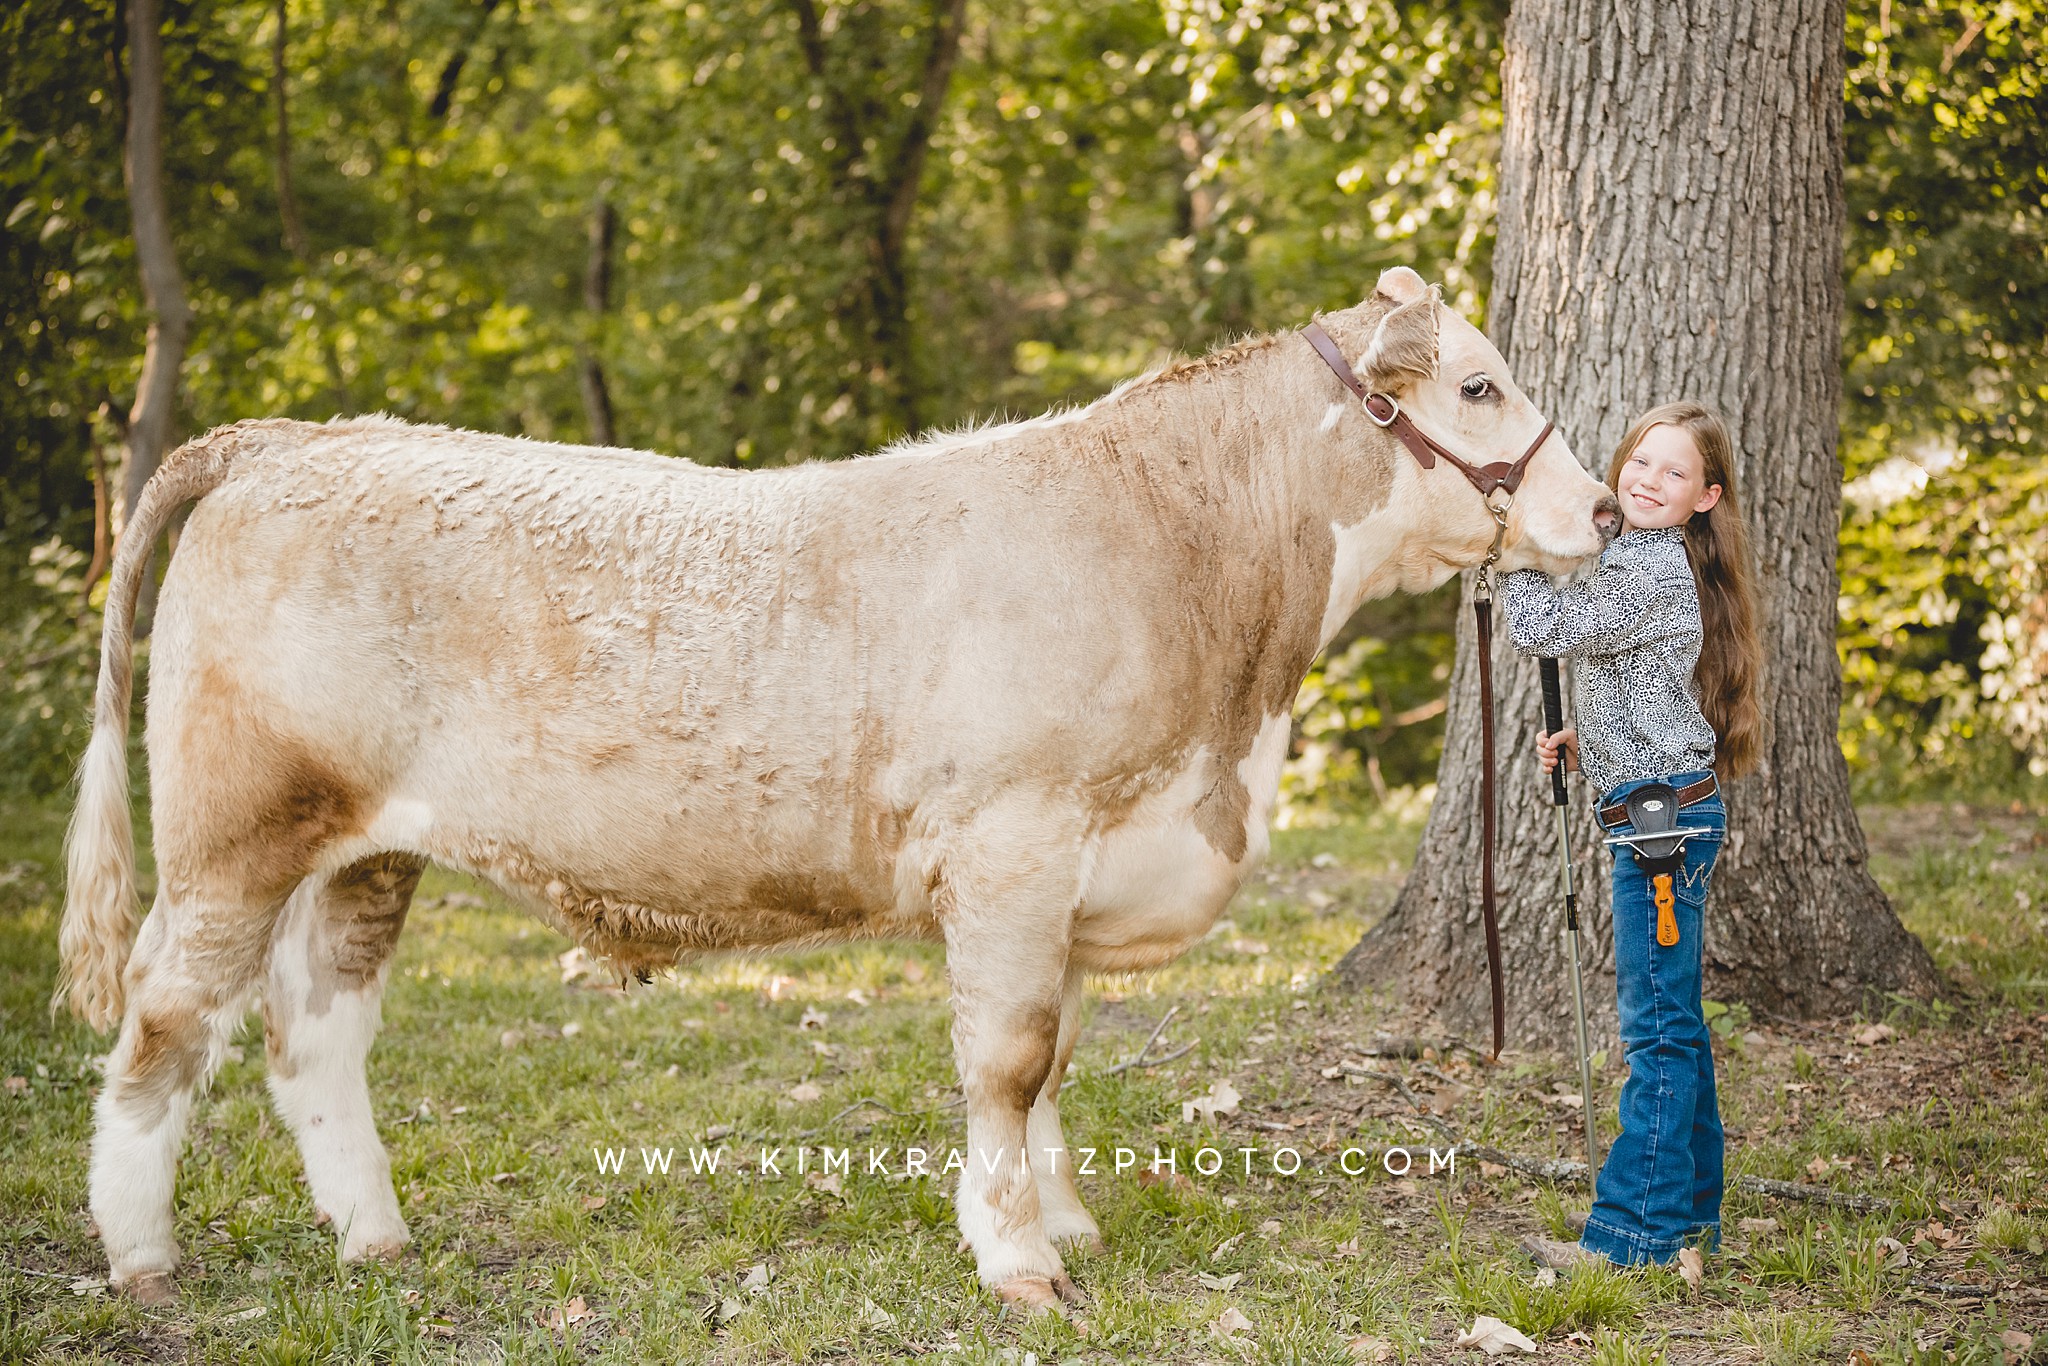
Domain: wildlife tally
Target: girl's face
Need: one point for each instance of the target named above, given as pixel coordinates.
(1663, 482)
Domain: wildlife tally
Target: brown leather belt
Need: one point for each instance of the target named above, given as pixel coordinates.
(1687, 796)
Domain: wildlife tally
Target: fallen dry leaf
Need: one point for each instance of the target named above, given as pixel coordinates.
(2017, 1342)
(1493, 1337)
(16, 1085)
(1938, 1233)
(1692, 1268)
(1347, 1248)
(1172, 1180)
(594, 1202)
(1209, 1282)
(565, 1316)
(1371, 1349)
(1758, 1227)
(1817, 1168)
(875, 1316)
(1895, 1255)
(1875, 1035)
(756, 1279)
(813, 1019)
(804, 1091)
(1230, 1323)
(1222, 1099)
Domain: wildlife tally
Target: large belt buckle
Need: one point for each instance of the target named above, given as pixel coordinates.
(1393, 409)
(1656, 836)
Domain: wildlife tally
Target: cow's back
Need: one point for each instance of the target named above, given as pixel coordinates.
(690, 705)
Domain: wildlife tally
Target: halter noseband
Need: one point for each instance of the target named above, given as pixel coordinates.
(1386, 413)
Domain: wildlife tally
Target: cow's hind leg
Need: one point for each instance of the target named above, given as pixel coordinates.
(188, 983)
(1066, 1218)
(321, 1008)
(1007, 932)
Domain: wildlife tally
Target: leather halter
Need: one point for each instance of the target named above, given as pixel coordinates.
(1384, 411)
(1507, 478)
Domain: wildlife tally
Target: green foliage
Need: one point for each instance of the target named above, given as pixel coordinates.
(50, 639)
(1097, 186)
(1944, 555)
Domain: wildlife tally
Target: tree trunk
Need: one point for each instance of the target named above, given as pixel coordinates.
(1671, 226)
(881, 169)
(163, 288)
(597, 295)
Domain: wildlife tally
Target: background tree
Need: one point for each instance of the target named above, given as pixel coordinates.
(1712, 269)
(388, 208)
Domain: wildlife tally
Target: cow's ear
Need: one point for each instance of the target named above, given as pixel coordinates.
(1403, 350)
(1399, 285)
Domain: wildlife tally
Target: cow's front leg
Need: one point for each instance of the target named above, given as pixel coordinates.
(1008, 961)
(1067, 1220)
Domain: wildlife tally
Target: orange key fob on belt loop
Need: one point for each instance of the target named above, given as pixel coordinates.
(1667, 922)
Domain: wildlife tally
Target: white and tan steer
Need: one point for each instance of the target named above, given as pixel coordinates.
(1024, 689)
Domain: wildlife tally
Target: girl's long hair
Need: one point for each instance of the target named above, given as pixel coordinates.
(1717, 545)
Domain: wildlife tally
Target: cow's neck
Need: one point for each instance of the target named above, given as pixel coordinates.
(1318, 503)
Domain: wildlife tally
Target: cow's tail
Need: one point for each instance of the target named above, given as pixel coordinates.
(100, 908)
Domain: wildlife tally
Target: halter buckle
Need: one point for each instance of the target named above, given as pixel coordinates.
(1393, 409)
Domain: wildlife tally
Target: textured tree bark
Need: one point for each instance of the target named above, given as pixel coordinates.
(882, 168)
(597, 297)
(163, 288)
(1670, 226)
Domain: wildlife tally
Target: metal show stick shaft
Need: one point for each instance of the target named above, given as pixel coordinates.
(1553, 722)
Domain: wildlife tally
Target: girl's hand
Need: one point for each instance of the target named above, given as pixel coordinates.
(1547, 746)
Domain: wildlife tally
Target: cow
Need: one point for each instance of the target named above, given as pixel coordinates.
(1022, 689)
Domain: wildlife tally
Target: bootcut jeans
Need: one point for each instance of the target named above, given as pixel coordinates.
(1660, 1187)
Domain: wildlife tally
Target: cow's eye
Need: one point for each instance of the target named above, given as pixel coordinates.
(1476, 387)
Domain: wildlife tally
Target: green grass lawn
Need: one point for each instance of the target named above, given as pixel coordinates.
(496, 1079)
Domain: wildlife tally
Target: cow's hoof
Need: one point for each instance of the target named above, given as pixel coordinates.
(1035, 1295)
(386, 1252)
(152, 1287)
(1063, 1286)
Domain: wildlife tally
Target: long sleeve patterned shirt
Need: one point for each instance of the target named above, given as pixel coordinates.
(1634, 630)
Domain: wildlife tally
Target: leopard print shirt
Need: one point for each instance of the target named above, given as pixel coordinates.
(1633, 630)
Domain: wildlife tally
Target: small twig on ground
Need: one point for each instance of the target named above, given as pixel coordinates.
(1948, 1288)
(1819, 1195)
(1568, 1172)
(1352, 1069)
(870, 1100)
(1180, 1052)
(1438, 1073)
(1138, 1059)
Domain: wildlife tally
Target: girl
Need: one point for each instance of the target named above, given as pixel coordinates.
(1664, 635)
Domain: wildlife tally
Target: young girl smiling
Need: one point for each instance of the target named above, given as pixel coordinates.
(1664, 690)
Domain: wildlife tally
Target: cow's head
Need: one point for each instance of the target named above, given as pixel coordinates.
(1455, 386)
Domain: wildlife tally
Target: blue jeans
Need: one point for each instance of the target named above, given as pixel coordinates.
(1660, 1186)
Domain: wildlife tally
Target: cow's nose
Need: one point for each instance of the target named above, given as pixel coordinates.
(1607, 517)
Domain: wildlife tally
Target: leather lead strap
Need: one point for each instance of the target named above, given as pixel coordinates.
(1482, 608)
(1384, 411)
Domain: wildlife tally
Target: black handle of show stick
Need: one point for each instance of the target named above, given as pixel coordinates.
(1553, 722)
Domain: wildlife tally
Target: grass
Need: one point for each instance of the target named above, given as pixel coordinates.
(496, 1079)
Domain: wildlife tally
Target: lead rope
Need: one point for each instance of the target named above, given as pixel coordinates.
(1482, 609)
